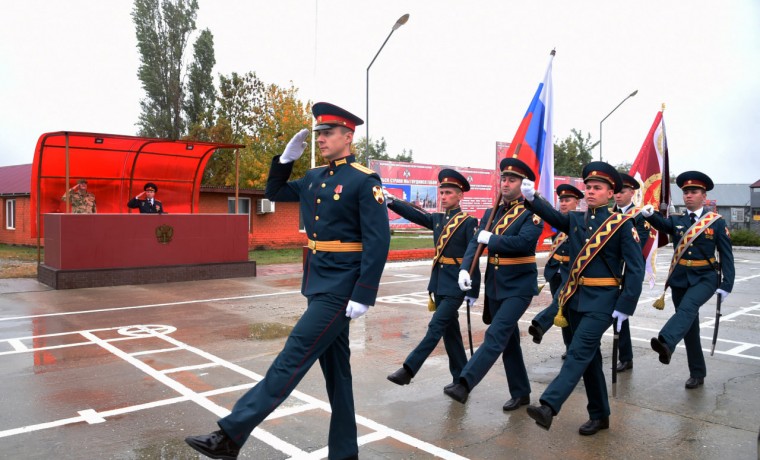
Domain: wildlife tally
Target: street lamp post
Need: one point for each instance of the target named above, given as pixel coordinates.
(600, 123)
(400, 22)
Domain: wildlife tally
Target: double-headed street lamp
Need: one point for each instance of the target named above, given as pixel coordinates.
(600, 123)
(400, 22)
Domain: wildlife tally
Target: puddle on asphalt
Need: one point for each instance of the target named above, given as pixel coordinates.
(268, 331)
(287, 282)
(174, 449)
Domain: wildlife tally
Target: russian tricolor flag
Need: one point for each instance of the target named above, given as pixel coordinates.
(533, 142)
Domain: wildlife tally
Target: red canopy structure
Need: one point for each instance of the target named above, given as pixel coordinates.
(116, 168)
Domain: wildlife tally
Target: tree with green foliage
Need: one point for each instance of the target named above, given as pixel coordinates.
(572, 154)
(378, 151)
(163, 28)
(201, 93)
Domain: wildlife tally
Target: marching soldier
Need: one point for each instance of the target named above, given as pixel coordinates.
(695, 274)
(452, 231)
(510, 284)
(624, 204)
(595, 293)
(346, 221)
(82, 201)
(557, 268)
(149, 205)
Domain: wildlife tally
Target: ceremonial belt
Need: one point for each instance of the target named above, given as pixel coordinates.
(334, 246)
(509, 218)
(696, 229)
(448, 231)
(511, 260)
(697, 263)
(557, 243)
(563, 259)
(449, 260)
(585, 281)
(589, 250)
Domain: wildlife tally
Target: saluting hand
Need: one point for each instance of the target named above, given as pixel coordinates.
(388, 197)
(295, 147)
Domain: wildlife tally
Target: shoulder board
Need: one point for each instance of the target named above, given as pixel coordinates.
(317, 167)
(362, 168)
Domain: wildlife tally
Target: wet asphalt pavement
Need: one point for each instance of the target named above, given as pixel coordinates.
(127, 372)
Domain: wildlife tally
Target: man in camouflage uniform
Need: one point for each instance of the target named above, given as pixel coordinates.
(82, 201)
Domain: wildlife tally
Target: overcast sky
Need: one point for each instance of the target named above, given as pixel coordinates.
(448, 85)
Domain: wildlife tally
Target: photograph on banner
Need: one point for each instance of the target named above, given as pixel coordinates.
(417, 183)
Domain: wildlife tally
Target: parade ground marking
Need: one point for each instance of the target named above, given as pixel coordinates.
(305, 403)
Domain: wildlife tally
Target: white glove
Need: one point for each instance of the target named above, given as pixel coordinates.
(528, 189)
(470, 300)
(388, 197)
(647, 210)
(620, 318)
(295, 147)
(723, 294)
(465, 283)
(484, 237)
(355, 309)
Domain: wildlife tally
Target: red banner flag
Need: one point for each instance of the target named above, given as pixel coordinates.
(653, 173)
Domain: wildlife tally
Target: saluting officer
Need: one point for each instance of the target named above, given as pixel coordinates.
(557, 268)
(595, 293)
(695, 275)
(510, 284)
(346, 221)
(82, 201)
(149, 205)
(452, 231)
(624, 204)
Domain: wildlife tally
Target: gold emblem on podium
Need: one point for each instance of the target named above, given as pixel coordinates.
(164, 233)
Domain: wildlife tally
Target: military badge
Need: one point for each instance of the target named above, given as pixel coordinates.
(377, 192)
(709, 233)
(164, 233)
(536, 219)
(635, 235)
(338, 191)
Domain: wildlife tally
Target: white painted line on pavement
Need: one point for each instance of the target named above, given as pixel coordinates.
(91, 417)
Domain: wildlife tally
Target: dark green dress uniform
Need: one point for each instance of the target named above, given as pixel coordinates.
(346, 221)
(511, 281)
(625, 346)
(555, 273)
(590, 308)
(443, 284)
(694, 280)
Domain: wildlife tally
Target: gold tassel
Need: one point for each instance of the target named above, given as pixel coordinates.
(431, 302)
(560, 320)
(659, 303)
(541, 287)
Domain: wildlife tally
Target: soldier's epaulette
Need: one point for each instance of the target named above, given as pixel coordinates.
(362, 168)
(321, 166)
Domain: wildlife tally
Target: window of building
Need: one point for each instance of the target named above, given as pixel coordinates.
(244, 207)
(10, 214)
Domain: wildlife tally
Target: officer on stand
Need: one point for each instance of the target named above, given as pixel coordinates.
(624, 204)
(695, 273)
(346, 221)
(452, 231)
(595, 294)
(510, 284)
(557, 268)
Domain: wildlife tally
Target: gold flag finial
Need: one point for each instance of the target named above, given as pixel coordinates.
(663, 106)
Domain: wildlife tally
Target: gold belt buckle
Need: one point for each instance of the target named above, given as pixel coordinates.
(688, 263)
(582, 281)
